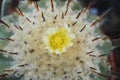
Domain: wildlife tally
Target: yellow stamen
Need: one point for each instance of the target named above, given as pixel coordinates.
(59, 40)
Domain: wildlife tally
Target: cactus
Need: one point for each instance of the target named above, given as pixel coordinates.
(53, 43)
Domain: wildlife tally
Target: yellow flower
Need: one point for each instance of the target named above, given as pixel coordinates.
(58, 39)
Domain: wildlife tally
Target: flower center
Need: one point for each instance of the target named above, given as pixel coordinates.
(59, 40)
